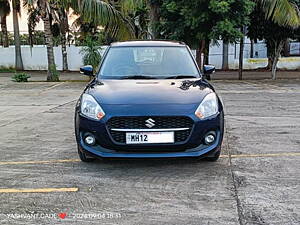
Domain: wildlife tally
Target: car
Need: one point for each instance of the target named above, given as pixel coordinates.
(148, 100)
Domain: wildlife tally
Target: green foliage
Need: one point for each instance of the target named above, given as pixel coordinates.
(136, 11)
(4, 8)
(265, 29)
(262, 28)
(282, 12)
(88, 30)
(220, 7)
(10, 38)
(192, 21)
(94, 13)
(7, 69)
(227, 30)
(130, 6)
(20, 77)
(38, 38)
(91, 53)
(103, 13)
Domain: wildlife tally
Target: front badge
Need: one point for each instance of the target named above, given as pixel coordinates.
(150, 123)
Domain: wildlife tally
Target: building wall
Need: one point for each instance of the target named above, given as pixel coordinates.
(216, 55)
(35, 58)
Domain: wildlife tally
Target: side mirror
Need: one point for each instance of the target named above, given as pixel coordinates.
(87, 70)
(209, 69)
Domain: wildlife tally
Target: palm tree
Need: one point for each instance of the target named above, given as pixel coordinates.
(4, 12)
(18, 54)
(59, 17)
(99, 12)
(285, 13)
(129, 6)
(43, 8)
(154, 17)
(64, 28)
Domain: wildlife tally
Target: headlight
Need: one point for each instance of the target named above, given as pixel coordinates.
(208, 107)
(90, 108)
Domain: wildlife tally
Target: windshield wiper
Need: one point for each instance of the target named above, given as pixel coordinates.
(138, 77)
(181, 77)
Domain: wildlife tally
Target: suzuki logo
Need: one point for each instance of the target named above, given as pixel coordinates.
(150, 123)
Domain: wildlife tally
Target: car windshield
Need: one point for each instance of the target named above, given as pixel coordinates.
(148, 63)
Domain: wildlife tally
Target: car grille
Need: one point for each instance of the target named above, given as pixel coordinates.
(160, 123)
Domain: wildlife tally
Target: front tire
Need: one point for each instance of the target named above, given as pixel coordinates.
(83, 157)
(215, 157)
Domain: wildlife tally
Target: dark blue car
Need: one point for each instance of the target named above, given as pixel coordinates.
(148, 100)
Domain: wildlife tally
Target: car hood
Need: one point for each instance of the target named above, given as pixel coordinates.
(132, 92)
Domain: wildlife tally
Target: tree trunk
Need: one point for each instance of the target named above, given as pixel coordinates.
(225, 56)
(251, 49)
(206, 52)
(276, 58)
(64, 28)
(64, 52)
(4, 32)
(270, 63)
(51, 76)
(18, 54)
(199, 52)
(286, 48)
(154, 18)
(241, 56)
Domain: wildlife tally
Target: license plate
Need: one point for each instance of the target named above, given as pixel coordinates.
(149, 137)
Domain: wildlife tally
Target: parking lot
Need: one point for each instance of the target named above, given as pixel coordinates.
(256, 181)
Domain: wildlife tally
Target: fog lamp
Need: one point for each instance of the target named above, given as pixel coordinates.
(90, 140)
(209, 139)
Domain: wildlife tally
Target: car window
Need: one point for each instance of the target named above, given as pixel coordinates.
(159, 62)
(148, 55)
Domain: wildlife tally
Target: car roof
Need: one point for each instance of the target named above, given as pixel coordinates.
(141, 43)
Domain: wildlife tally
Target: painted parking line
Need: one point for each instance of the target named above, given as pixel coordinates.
(267, 155)
(270, 86)
(250, 83)
(40, 162)
(38, 190)
(51, 87)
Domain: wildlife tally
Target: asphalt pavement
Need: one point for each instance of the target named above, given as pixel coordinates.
(256, 180)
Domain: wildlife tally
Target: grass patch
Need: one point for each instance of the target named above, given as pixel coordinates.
(60, 81)
(7, 69)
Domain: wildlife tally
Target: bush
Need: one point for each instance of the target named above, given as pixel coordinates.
(20, 77)
(91, 53)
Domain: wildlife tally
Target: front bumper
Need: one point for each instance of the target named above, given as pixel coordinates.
(192, 147)
(194, 152)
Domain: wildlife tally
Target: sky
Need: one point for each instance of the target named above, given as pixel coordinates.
(22, 22)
